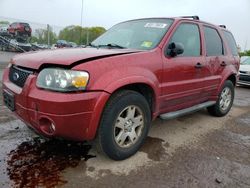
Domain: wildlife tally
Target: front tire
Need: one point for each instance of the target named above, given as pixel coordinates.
(124, 125)
(224, 101)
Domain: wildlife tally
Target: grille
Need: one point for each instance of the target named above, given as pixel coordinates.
(243, 72)
(245, 78)
(18, 75)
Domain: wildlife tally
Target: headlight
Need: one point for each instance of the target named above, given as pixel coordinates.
(62, 80)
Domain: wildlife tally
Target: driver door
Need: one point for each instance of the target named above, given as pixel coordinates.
(183, 74)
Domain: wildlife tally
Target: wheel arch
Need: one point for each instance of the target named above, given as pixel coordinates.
(232, 78)
(144, 89)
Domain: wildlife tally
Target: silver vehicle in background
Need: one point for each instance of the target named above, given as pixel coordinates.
(244, 71)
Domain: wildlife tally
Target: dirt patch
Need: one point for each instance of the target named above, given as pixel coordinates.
(220, 159)
(192, 151)
(154, 148)
(241, 125)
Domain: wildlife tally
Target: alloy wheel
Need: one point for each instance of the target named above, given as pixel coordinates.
(128, 126)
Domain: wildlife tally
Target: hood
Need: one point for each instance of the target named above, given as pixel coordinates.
(65, 57)
(245, 68)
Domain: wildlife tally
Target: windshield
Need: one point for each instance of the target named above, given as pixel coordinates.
(142, 34)
(246, 61)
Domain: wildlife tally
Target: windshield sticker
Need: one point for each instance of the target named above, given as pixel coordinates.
(156, 25)
(146, 44)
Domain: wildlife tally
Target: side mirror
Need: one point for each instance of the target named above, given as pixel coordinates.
(174, 49)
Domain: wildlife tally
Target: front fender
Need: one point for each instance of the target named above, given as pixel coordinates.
(131, 80)
(115, 79)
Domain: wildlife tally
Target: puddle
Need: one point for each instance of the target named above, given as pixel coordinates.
(39, 163)
(154, 148)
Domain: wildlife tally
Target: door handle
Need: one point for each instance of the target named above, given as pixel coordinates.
(198, 66)
(223, 64)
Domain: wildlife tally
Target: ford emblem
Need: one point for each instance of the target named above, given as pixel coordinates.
(15, 76)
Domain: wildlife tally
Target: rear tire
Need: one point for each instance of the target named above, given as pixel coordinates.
(224, 101)
(124, 125)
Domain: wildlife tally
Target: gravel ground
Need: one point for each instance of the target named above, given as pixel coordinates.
(191, 151)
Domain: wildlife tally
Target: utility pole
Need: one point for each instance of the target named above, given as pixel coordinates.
(48, 34)
(245, 49)
(81, 24)
(87, 38)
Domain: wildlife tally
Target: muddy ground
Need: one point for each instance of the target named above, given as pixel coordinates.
(196, 150)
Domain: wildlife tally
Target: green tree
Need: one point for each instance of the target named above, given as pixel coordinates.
(71, 33)
(79, 35)
(41, 36)
(4, 22)
(246, 53)
(33, 39)
(95, 32)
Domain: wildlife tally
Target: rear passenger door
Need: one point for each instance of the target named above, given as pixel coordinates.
(182, 80)
(216, 61)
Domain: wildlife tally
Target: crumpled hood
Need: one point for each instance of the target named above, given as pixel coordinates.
(66, 56)
(245, 68)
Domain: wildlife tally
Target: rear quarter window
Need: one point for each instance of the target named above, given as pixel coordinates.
(231, 43)
(214, 46)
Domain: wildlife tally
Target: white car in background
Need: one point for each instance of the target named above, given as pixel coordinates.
(244, 71)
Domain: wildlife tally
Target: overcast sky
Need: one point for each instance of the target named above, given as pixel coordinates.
(235, 14)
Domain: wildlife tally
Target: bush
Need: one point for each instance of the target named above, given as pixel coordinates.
(246, 53)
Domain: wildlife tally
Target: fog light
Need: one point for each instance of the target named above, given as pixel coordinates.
(47, 126)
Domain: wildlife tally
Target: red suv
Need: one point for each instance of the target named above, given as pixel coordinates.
(112, 89)
(18, 29)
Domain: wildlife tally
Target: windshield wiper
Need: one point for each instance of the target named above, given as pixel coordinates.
(112, 45)
(92, 45)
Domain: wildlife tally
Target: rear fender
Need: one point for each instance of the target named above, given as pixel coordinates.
(230, 73)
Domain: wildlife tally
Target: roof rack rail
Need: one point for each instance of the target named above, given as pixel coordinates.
(192, 17)
(223, 26)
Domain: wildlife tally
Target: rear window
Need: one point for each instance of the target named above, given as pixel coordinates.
(231, 43)
(214, 44)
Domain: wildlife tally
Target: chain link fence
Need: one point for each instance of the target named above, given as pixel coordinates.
(23, 35)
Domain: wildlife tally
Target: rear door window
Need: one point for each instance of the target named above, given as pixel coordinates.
(189, 35)
(214, 46)
(231, 43)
